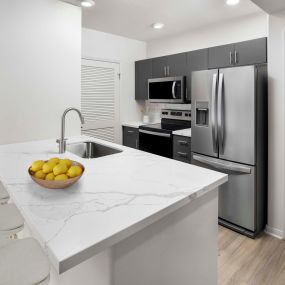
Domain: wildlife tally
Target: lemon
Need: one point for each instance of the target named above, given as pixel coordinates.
(50, 176)
(54, 160)
(39, 174)
(37, 165)
(61, 177)
(48, 167)
(67, 162)
(74, 171)
(60, 168)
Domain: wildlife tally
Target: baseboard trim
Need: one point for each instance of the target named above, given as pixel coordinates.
(274, 232)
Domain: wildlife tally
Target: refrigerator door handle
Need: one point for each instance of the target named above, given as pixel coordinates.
(220, 115)
(223, 166)
(214, 113)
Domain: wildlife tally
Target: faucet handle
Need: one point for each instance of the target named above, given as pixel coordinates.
(61, 145)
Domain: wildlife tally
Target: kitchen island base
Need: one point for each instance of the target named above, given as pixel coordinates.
(180, 248)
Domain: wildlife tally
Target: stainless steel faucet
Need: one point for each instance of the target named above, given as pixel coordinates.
(62, 141)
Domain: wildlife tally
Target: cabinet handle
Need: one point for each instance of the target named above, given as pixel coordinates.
(168, 70)
(183, 143)
(137, 145)
(236, 57)
(231, 58)
(182, 154)
(130, 132)
(165, 74)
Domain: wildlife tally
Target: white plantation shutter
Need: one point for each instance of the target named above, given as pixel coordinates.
(100, 99)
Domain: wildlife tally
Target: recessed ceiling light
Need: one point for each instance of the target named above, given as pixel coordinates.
(157, 26)
(232, 2)
(87, 3)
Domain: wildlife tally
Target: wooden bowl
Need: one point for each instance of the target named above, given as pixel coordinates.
(52, 184)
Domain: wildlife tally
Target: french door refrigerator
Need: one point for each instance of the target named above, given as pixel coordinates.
(229, 134)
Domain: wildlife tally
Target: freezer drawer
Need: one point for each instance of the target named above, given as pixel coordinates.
(236, 197)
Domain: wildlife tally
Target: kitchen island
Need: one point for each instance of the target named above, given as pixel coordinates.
(133, 219)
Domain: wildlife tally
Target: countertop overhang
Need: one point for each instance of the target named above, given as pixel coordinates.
(117, 196)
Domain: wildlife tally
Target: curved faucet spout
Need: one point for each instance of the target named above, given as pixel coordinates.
(62, 140)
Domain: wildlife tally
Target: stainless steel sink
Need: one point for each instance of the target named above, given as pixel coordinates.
(91, 149)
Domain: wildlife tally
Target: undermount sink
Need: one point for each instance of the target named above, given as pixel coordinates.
(91, 149)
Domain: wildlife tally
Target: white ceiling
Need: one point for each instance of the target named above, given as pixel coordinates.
(271, 6)
(132, 18)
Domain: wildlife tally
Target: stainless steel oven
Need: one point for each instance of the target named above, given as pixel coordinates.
(155, 142)
(158, 138)
(167, 90)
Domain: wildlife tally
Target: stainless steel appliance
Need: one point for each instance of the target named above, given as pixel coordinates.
(167, 90)
(229, 134)
(158, 138)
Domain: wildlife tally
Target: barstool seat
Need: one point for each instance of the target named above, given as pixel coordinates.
(11, 220)
(22, 262)
(4, 195)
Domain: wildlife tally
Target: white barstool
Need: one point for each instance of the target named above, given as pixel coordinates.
(4, 195)
(11, 221)
(22, 262)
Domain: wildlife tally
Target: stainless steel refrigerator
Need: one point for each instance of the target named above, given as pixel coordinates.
(229, 134)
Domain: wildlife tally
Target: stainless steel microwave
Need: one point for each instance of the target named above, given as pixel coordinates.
(167, 90)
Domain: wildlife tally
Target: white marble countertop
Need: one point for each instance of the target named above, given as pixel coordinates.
(133, 124)
(117, 196)
(183, 133)
(137, 124)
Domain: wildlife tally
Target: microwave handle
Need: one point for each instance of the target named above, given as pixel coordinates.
(173, 89)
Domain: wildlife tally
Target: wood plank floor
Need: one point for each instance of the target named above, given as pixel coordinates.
(244, 261)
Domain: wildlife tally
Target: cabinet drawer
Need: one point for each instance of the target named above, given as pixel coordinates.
(131, 137)
(182, 148)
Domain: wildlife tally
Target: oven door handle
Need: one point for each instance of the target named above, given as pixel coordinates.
(155, 134)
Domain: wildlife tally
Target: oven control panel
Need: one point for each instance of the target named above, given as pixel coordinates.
(184, 115)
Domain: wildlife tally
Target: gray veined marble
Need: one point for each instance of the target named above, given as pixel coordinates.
(117, 196)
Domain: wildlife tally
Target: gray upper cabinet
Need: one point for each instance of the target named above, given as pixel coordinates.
(177, 65)
(196, 60)
(172, 65)
(143, 72)
(251, 52)
(238, 54)
(221, 56)
(159, 67)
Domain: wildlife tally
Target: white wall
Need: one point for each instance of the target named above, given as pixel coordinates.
(126, 51)
(246, 28)
(276, 73)
(39, 68)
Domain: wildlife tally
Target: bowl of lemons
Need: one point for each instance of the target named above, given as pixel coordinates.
(56, 173)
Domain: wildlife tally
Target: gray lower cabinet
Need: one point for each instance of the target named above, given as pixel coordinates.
(143, 72)
(131, 137)
(182, 148)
